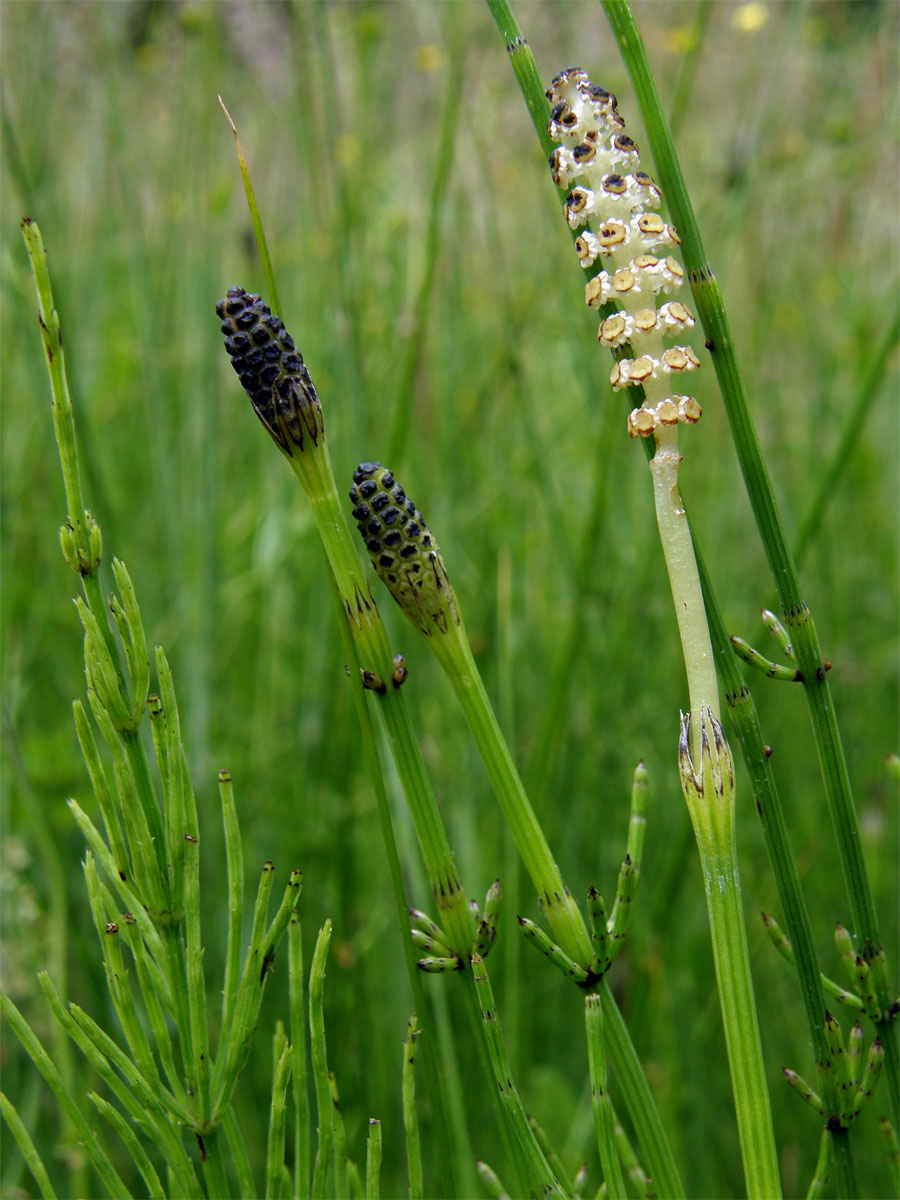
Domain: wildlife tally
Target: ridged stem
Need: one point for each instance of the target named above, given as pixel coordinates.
(483, 1011)
(563, 914)
(745, 722)
(372, 648)
(454, 1147)
(314, 470)
(319, 1062)
(604, 1122)
(715, 836)
(455, 656)
(638, 1099)
(711, 310)
(64, 429)
(678, 550)
(732, 961)
(522, 62)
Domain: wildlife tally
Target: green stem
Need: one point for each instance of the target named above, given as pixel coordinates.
(238, 1150)
(370, 651)
(638, 1099)
(678, 549)
(455, 656)
(297, 1027)
(138, 1154)
(374, 654)
(275, 1144)
(456, 1152)
(373, 1160)
(27, 1147)
(711, 803)
(255, 219)
(715, 836)
(738, 1004)
(320, 1062)
(214, 1167)
(63, 420)
(746, 725)
(486, 1022)
(603, 1113)
(798, 618)
(410, 1118)
(562, 912)
(86, 534)
(522, 62)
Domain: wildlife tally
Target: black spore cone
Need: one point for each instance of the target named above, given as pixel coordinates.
(402, 549)
(271, 370)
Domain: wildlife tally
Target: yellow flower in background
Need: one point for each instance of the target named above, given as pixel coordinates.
(681, 39)
(750, 18)
(429, 58)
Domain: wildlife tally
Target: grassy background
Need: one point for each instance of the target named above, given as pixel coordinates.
(514, 449)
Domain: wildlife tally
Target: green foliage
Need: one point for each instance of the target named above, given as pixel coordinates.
(512, 444)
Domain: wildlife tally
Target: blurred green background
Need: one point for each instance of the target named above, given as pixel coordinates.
(367, 125)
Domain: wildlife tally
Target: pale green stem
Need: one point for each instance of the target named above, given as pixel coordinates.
(742, 1040)
(711, 804)
(603, 1113)
(566, 921)
(708, 784)
(314, 471)
(561, 911)
(410, 1119)
(373, 1160)
(27, 1146)
(319, 1061)
(678, 549)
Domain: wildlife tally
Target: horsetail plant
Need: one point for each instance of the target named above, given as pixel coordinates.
(753, 658)
(274, 376)
(143, 888)
(284, 398)
(373, 1160)
(410, 1120)
(140, 862)
(604, 1122)
(170, 1087)
(613, 202)
(795, 610)
(407, 558)
(855, 1077)
(742, 708)
(319, 485)
(538, 1167)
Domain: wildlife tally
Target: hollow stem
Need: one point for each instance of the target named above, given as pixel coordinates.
(603, 1112)
(732, 961)
(374, 653)
(678, 550)
(565, 918)
(797, 616)
(563, 914)
(708, 784)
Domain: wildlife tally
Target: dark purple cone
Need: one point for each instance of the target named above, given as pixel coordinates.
(271, 370)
